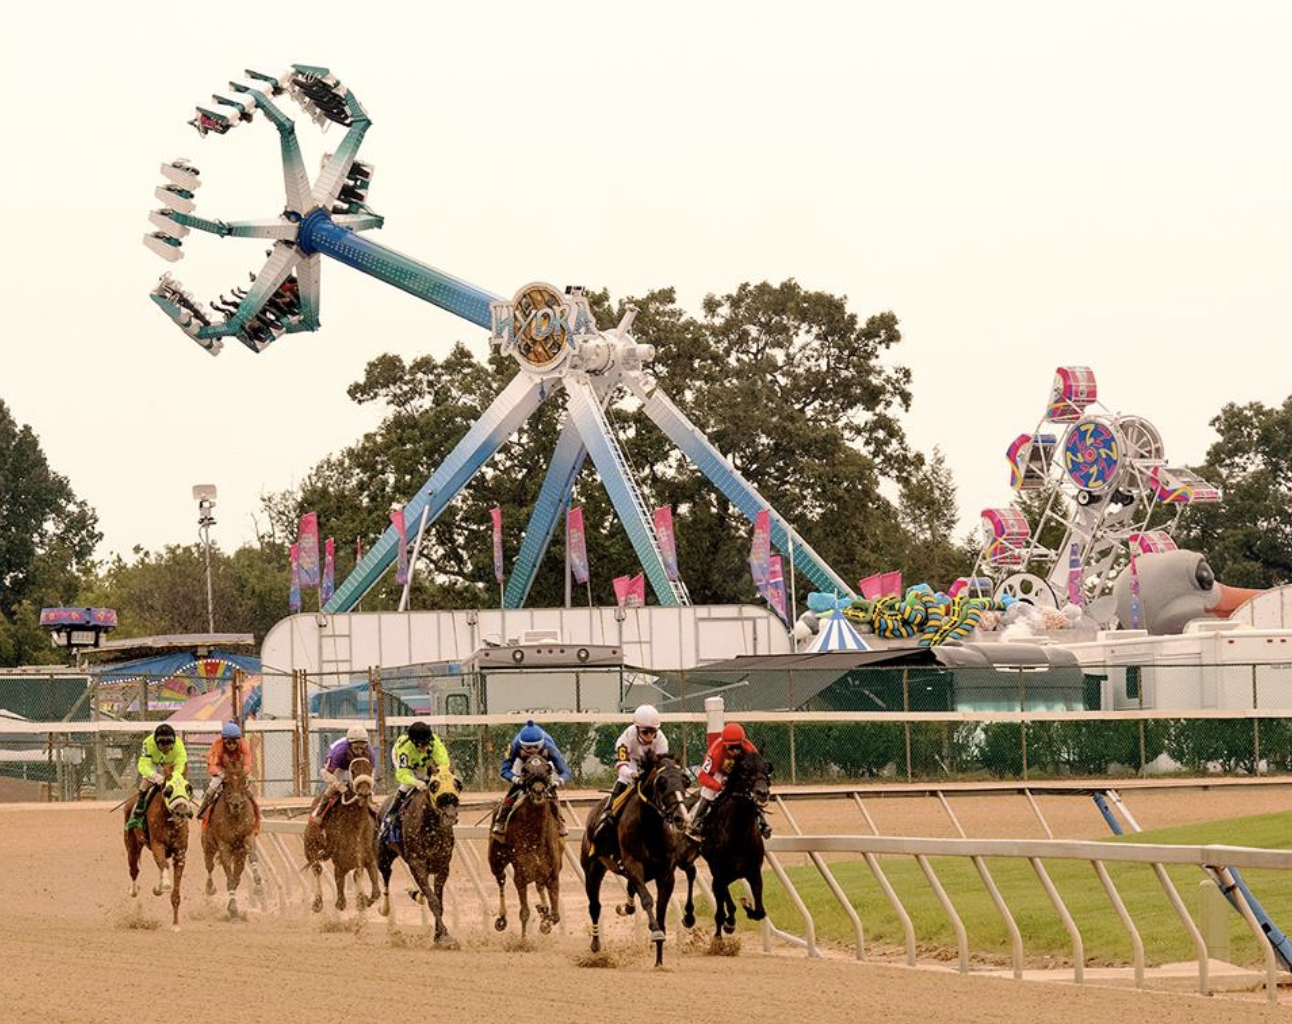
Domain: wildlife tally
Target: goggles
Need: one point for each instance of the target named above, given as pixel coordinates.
(646, 730)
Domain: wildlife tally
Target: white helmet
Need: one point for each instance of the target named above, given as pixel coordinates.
(356, 734)
(646, 717)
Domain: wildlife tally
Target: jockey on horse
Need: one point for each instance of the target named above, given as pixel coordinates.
(161, 750)
(336, 769)
(531, 741)
(713, 775)
(631, 746)
(230, 752)
(416, 755)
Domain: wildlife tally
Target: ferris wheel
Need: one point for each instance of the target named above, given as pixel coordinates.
(1098, 479)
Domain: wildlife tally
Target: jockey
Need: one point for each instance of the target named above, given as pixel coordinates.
(713, 774)
(336, 769)
(161, 749)
(631, 746)
(531, 741)
(416, 755)
(231, 751)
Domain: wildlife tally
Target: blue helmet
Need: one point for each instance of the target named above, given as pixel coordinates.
(231, 731)
(531, 735)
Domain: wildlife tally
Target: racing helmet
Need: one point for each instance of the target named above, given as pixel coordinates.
(419, 733)
(356, 734)
(646, 717)
(733, 733)
(231, 731)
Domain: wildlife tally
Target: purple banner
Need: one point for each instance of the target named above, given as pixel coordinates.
(294, 597)
(667, 541)
(760, 553)
(576, 544)
(307, 541)
(329, 571)
(495, 513)
(401, 566)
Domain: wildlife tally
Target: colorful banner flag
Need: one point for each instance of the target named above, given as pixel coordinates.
(576, 543)
(328, 587)
(1135, 616)
(630, 591)
(307, 539)
(667, 541)
(496, 514)
(775, 589)
(294, 598)
(890, 584)
(760, 551)
(401, 566)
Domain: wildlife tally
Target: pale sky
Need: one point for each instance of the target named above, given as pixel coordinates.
(1025, 184)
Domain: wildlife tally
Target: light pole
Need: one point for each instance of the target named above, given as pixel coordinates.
(204, 495)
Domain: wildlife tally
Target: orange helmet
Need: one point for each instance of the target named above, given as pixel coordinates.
(732, 733)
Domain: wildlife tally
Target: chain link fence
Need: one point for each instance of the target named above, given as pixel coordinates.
(65, 737)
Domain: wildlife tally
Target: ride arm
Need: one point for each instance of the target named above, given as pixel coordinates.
(506, 769)
(558, 760)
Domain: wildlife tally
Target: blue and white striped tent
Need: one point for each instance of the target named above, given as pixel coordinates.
(837, 634)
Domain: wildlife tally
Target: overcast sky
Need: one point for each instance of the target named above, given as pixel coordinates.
(1025, 184)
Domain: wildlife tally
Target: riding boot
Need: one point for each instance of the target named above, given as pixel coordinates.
(763, 827)
(610, 816)
(695, 831)
(391, 816)
(560, 819)
(501, 816)
(136, 819)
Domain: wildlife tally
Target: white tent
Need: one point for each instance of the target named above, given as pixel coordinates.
(837, 634)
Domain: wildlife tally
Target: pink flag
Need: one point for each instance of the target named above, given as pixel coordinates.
(872, 588)
(760, 552)
(308, 541)
(890, 584)
(621, 590)
(775, 589)
(667, 542)
(329, 571)
(635, 597)
(577, 544)
(496, 514)
(401, 566)
(294, 597)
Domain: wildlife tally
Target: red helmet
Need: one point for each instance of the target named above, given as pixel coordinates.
(732, 733)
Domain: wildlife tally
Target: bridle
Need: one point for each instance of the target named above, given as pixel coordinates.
(675, 811)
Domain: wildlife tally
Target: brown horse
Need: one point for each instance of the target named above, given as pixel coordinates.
(348, 840)
(648, 844)
(425, 841)
(532, 846)
(166, 821)
(229, 832)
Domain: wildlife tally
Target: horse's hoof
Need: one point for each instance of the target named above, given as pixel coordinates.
(157, 890)
(175, 928)
(728, 926)
(233, 908)
(657, 936)
(134, 892)
(545, 926)
(596, 944)
(258, 892)
(688, 920)
(210, 887)
(500, 924)
(416, 896)
(446, 941)
(317, 905)
(624, 909)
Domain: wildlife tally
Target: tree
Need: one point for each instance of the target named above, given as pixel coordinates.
(47, 538)
(1247, 537)
(786, 382)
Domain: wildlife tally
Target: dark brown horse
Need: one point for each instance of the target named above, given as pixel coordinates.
(733, 843)
(166, 820)
(425, 841)
(347, 837)
(533, 847)
(648, 844)
(229, 832)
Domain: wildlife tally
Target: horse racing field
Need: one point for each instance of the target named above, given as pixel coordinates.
(76, 948)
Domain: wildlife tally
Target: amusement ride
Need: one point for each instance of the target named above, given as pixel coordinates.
(551, 334)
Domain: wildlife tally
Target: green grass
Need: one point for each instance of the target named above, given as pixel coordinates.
(1106, 942)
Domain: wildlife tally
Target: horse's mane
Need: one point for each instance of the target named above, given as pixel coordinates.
(747, 766)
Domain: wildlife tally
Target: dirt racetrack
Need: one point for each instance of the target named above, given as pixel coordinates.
(75, 948)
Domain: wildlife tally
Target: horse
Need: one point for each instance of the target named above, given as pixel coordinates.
(229, 832)
(533, 847)
(426, 843)
(650, 845)
(349, 840)
(166, 821)
(732, 844)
